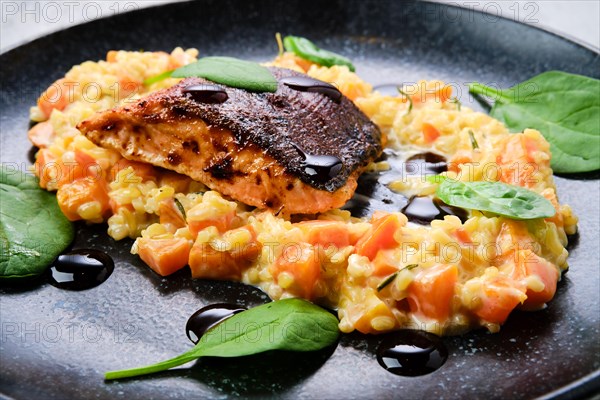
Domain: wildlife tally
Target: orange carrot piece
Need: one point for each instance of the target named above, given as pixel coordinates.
(383, 265)
(128, 86)
(57, 96)
(248, 253)
(430, 133)
(430, 294)
(41, 134)
(444, 93)
(462, 235)
(326, 233)
(498, 298)
(111, 56)
(45, 165)
(512, 236)
(171, 214)
(222, 223)
(527, 263)
(302, 262)
(460, 157)
(373, 308)
(379, 237)
(207, 262)
(517, 161)
(84, 190)
(83, 166)
(558, 218)
(164, 256)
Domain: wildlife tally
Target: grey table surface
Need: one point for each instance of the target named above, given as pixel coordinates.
(23, 21)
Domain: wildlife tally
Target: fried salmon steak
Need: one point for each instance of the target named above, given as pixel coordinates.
(300, 150)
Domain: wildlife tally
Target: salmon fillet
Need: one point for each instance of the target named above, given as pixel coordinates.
(268, 150)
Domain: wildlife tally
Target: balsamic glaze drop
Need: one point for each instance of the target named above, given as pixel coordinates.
(207, 317)
(320, 167)
(423, 210)
(412, 353)
(323, 168)
(80, 269)
(206, 93)
(31, 154)
(308, 84)
(425, 164)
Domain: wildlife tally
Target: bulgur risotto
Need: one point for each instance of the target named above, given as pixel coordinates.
(380, 273)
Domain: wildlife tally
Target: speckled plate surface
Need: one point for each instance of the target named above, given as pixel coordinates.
(56, 344)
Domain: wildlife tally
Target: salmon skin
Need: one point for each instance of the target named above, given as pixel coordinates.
(297, 149)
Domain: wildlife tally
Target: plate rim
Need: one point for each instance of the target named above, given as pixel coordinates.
(545, 29)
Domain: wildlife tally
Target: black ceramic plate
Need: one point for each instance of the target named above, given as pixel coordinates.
(56, 344)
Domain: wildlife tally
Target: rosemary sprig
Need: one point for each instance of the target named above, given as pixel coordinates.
(393, 276)
(410, 102)
(180, 207)
(455, 100)
(474, 143)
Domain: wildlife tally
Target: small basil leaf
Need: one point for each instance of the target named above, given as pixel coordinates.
(33, 230)
(307, 50)
(499, 198)
(291, 324)
(231, 72)
(564, 107)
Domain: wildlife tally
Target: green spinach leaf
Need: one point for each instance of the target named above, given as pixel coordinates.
(157, 78)
(307, 50)
(231, 72)
(564, 107)
(291, 324)
(499, 198)
(33, 230)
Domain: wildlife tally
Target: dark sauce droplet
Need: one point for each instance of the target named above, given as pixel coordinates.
(412, 353)
(308, 84)
(423, 210)
(207, 317)
(31, 154)
(425, 164)
(80, 269)
(320, 167)
(211, 94)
